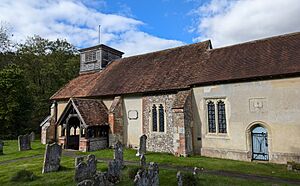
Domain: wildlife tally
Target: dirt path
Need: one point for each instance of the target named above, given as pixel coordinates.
(18, 159)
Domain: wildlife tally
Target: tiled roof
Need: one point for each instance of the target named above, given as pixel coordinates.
(194, 64)
(92, 111)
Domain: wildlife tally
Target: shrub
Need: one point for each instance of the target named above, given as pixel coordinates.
(132, 172)
(189, 179)
(23, 175)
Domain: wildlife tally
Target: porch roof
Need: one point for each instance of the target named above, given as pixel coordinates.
(91, 112)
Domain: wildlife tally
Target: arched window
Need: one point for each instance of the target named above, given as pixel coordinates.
(154, 118)
(161, 118)
(211, 117)
(221, 117)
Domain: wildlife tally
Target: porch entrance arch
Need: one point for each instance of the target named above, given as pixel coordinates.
(259, 139)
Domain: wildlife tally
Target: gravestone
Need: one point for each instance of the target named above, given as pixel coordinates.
(32, 136)
(141, 178)
(153, 174)
(1, 147)
(143, 143)
(143, 163)
(86, 183)
(100, 178)
(114, 171)
(85, 171)
(24, 142)
(179, 179)
(52, 158)
(118, 152)
(78, 159)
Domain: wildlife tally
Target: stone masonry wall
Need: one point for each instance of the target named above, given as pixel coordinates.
(159, 141)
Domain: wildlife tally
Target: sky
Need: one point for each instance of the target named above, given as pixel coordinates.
(141, 26)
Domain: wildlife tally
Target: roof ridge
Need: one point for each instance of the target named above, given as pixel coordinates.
(168, 49)
(258, 40)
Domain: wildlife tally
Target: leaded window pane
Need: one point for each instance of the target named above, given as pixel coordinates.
(161, 118)
(211, 117)
(154, 118)
(222, 117)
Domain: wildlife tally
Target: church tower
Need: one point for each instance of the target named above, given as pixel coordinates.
(96, 58)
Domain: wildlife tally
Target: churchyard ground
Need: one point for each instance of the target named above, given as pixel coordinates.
(32, 160)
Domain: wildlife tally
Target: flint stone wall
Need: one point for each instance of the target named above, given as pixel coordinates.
(159, 141)
(97, 144)
(52, 158)
(177, 137)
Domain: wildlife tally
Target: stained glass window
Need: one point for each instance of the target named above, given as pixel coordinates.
(221, 117)
(154, 118)
(161, 118)
(211, 117)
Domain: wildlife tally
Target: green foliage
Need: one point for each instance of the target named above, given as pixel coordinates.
(189, 179)
(29, 76)
(22, 176)
(132, 172)
(15, 101)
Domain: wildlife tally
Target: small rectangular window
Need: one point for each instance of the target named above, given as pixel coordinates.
(90, 56)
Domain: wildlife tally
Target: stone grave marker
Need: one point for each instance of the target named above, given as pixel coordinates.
(143, 143)
(179, 179)
(141, 178)
(153, 174)
(85, 171)
(118, 152)
(86, 183)
(78, 159)
(52, 158)
(1, 147)
(32, 136)
(24, 142)
(143, 163)
(114, 171)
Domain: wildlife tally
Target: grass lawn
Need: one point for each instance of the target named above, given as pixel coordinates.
(167, 177)
(268, 169)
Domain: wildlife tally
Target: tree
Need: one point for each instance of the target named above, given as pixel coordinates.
(15, 102)
(5, 42)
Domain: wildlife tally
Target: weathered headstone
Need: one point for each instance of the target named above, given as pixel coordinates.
(32, 136)
(1, 147)
(118, 152)
(52, 158)
(179, 179)
(84, 171)
(143, 163)
(114, 171)
(153, 174)
(86, 183)
(141, 178)
(24, 142)
(143, 143)
(100, 178)
(78, 159)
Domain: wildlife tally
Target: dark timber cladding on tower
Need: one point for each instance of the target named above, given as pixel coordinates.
(97, 57)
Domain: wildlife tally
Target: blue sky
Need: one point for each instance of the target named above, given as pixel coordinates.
(168, 19)
(141, 26)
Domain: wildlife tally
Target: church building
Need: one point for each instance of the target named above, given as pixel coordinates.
(237, 102)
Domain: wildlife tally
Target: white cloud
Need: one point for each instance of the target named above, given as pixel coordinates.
(228, 22)
(78, 23)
